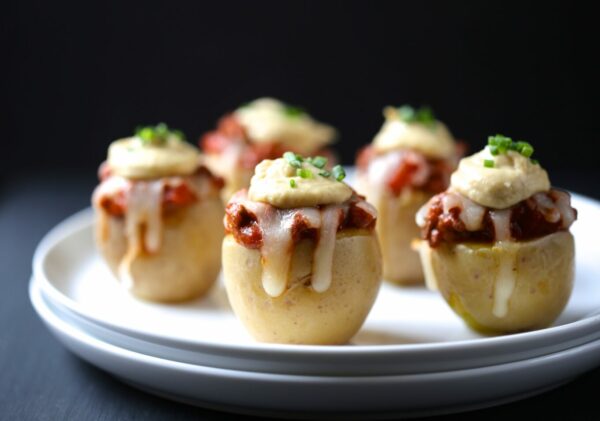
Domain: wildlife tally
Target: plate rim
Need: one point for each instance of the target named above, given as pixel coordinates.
(35, 301)
(83, 219)
(57, 326)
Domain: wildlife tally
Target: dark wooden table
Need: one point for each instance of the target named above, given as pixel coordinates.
(41, 380)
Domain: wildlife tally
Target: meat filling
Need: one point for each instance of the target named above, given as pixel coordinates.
(408, 169)
(243, 224)
(452, 218)
(174, 196)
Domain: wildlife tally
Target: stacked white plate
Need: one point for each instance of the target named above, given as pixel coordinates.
(413, 356)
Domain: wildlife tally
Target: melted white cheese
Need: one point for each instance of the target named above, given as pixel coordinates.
(277, 242)
(504, 286)
(431, 281)
(472, 214)
(143, 213)
(501, 220)
(323, 257)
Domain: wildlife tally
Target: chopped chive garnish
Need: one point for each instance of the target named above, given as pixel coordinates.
(293, 183)
(527, 151)
(319, 161)
(423, 115)
(293, 159)
(293, 111)
(501, 144)
(289, 156)
(325, 174)
(338, 173)
(535, 162)
(304, 173)
(488, 163)
(157, 135)
(406, 113)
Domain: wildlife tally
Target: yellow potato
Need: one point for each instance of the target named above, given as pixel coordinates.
(300, 315)
(505, 287)
(188, 261)
(396, 228)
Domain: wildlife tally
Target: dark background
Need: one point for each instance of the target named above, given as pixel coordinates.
(74, 76)
(78, 75)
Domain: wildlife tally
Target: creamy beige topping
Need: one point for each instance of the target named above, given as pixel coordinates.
(433, 141)
(268, 120)
(513, 178)
(271, 184)
(132, 158)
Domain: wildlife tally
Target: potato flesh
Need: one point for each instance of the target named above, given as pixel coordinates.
(301, 315)
(468, 276)
(188, 261)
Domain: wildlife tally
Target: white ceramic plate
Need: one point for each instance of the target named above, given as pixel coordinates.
(306, 396)
(410, 330)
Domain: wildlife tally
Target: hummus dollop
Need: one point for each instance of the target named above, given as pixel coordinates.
(512, 178)
(273, 180)
(268, 120)
(132, 158)
(432, 140)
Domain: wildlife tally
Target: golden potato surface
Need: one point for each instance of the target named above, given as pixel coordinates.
(187, 262)
(505, 287)
(301, 315)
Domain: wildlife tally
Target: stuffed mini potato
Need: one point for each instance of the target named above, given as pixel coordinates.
(497, 243)
(158, 216)
(261, 129)
(301, 261)
(409, 160)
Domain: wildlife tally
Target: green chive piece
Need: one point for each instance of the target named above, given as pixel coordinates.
(293, 183)
(319, 161)
(293, 111)
(157, 135)
(527, 151)
(146, 134)
(289, 156)
(179, 134)
(535, 162)
(501, 144)
(406, 113)
(504, 144)
(293, 159)
(423, 115)
(488, 163)
(338, 173)
(325, 174)
(304, 173)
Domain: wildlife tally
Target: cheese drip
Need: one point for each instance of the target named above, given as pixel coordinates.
(323, 258)
(504, 285)
(277, 242)
(143, 214)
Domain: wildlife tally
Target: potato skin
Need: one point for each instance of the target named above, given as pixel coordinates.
(543, 271)
(396, 229)
(188, 261)
(301, 315)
